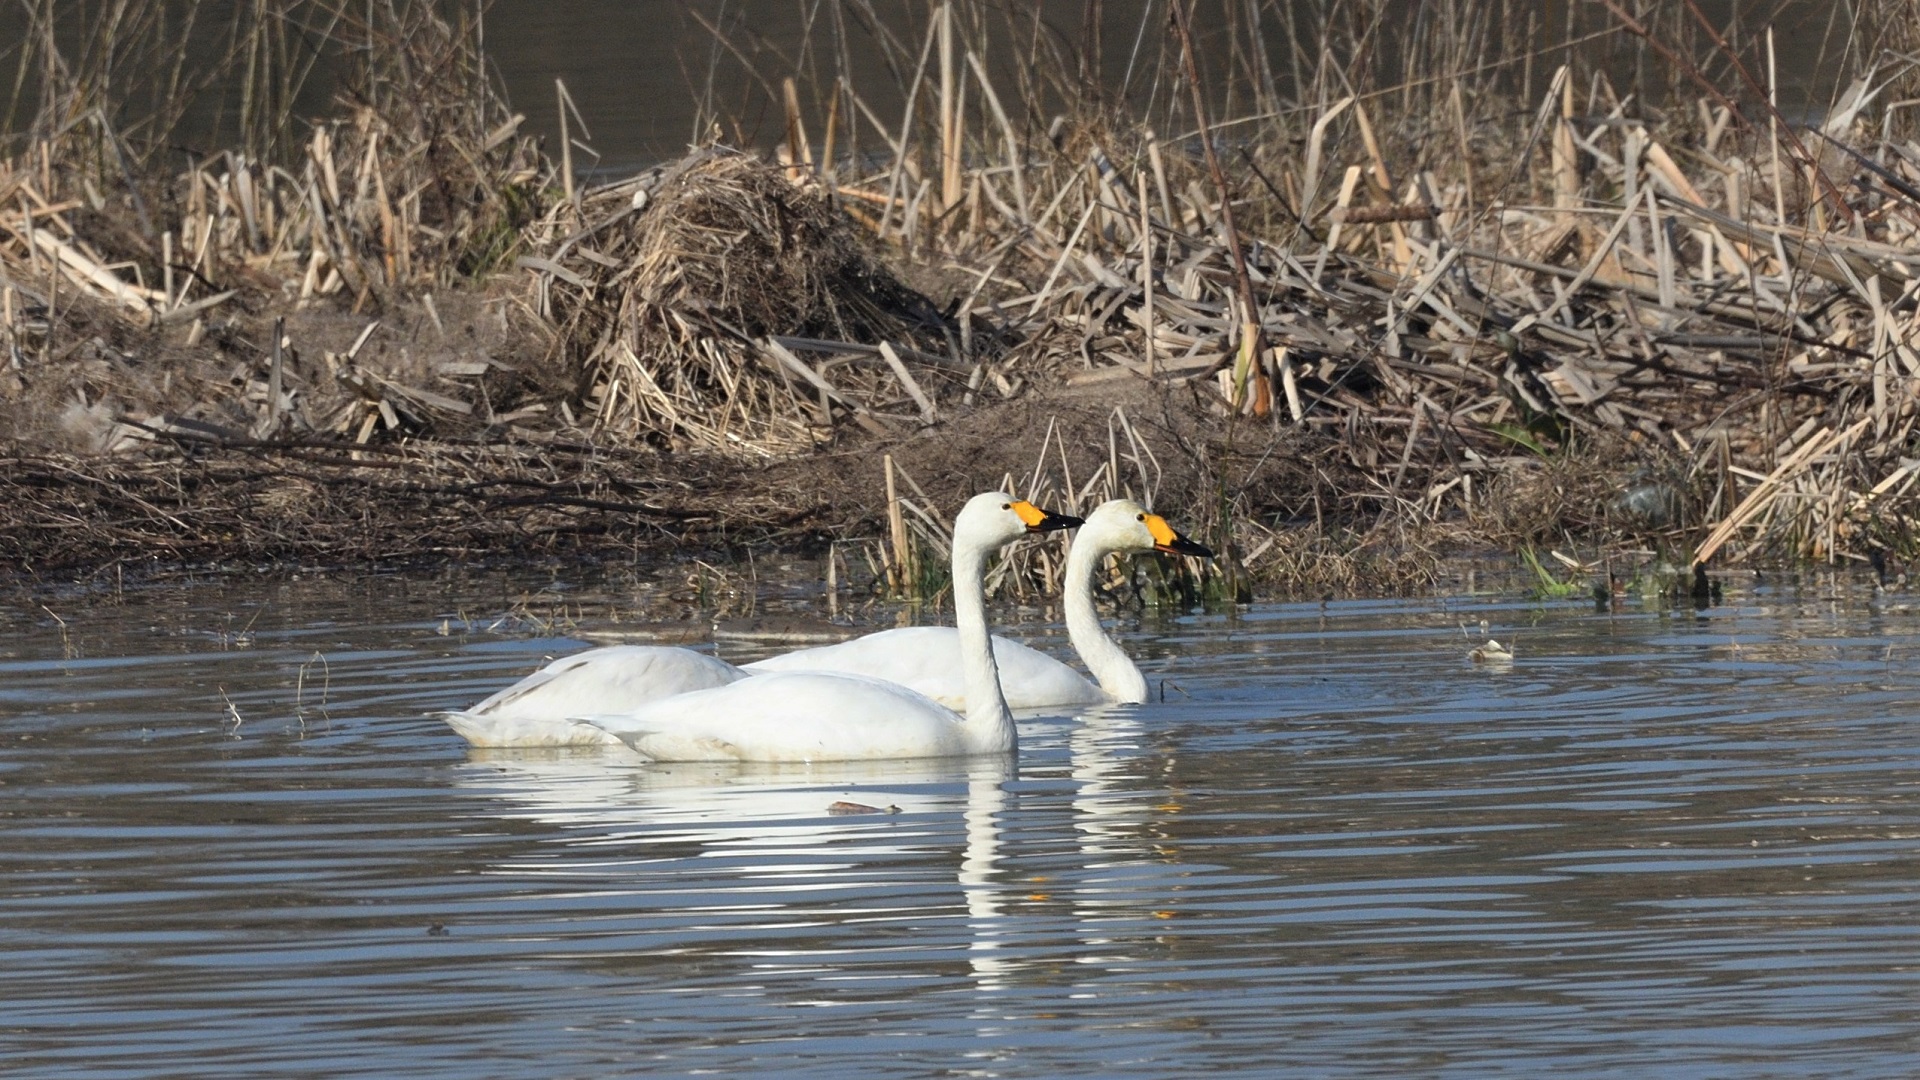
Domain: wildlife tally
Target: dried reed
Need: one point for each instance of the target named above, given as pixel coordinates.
(1436, 273)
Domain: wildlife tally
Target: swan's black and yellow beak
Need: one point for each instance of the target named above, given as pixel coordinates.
(1167, 540)
(1039, 521)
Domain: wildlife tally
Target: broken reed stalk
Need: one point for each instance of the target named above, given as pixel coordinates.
(1146, 276)
(566, 140)
(951, 116)
(899, 571)
(799, 151)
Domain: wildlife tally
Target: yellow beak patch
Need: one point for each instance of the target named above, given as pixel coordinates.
(1162, 532)
(1029, 513)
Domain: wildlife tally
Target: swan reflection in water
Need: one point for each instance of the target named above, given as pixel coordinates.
(831, 845)
(1129, 870)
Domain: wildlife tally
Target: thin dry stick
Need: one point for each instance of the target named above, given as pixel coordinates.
(1247, 365)
(825, 170)
(1066, 251)
(927, 413)
(799, 152)
(1015, 167)
(1316, 141)
(1383, 186)
(1347, 185)
(1566, 174)
(1160, 179)
(566, 144)
(894, 178)
(275, 378)
(1146, 271)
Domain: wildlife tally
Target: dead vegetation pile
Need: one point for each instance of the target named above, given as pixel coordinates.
(719, 305)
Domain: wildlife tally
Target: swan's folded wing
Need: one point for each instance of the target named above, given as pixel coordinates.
(608, 679)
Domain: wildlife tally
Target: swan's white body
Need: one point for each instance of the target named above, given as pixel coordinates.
(832, 716)
(927, 658)
(804, 716)
(538, 710)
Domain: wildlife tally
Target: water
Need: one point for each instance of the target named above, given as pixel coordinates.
(648, 78)
(234, 842)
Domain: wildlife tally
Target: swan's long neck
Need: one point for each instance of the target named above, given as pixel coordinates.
(1112, 668)
(989, 722)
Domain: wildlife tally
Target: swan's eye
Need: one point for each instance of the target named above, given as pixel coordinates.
(1141, 517)
(1006, 506)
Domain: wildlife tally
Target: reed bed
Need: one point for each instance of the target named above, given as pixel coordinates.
(1338, 305)
(1708, 311)
(140, 274)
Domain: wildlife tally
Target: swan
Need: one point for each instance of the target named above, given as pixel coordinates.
(834, 716)
(537, 710)
(927, 658)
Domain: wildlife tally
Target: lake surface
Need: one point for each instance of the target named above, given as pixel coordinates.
(649, 77)
(235, 841)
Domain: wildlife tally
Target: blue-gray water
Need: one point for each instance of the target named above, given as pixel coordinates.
(235, 842)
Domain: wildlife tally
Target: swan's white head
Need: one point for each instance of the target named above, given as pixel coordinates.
(1125, 525)
(994, 518)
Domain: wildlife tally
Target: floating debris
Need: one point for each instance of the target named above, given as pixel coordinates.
(844, 807)
(1492, 654)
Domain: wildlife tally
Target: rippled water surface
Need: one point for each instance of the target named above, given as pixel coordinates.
(234, 841)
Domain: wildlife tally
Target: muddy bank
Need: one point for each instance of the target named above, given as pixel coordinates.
(260, 503)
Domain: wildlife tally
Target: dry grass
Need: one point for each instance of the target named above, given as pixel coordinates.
(682, 302)
(1504, 320)
(1356, 299)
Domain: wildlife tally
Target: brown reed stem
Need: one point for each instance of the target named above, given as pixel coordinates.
(1251, 348)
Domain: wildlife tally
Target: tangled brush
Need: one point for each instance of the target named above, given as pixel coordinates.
(681, 302)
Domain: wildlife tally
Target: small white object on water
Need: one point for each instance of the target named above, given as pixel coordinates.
(1491, 653)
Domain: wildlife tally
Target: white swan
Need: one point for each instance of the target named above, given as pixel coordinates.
(538, 710)
(927, 658)
(828, 716)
